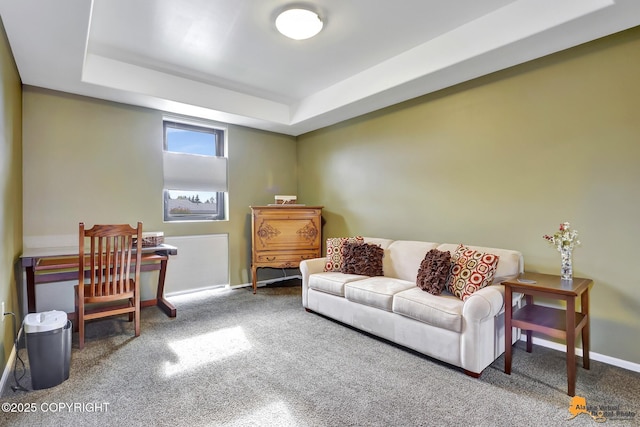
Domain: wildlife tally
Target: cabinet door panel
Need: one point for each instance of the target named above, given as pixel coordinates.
(281, 233)
(284, 236)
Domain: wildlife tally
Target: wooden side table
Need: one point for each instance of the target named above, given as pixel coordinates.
(554, 322)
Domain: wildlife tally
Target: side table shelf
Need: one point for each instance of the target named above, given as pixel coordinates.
(546, 320)
(554, 322)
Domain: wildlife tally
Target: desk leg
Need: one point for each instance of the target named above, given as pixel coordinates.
(584, 307)
(31, 290)
(571, 346)
(508, 308)
(164, 305)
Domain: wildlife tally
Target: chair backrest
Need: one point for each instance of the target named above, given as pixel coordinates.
(109, 256)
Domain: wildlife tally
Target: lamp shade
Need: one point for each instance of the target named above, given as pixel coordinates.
(299, 24)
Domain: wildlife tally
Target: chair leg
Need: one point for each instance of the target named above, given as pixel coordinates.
(137, 320)
(79, 321)
(80, 316)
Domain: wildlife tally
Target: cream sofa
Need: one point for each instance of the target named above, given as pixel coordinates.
(468, 334)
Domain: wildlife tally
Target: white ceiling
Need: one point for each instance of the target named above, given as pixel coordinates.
(224, 60)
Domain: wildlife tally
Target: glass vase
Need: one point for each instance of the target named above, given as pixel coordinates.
(566, 268)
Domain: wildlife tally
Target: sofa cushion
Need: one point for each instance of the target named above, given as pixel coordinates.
(332, 282)
(365, 259)
(434, 271)
(471, 270)
(334, 251)
(376, 291)
(383, 243)
(443, 311)
(403, 257)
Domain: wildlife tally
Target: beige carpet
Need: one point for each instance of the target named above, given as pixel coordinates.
(232, 358)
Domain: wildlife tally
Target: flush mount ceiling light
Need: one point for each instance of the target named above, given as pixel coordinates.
(299, 24)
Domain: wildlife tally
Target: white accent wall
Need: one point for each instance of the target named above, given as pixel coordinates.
(202, 262)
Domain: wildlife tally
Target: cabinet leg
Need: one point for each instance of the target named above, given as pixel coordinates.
(254, 278)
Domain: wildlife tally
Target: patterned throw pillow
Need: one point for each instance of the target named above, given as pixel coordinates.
(364, 259)
(334, 251)
(434, 271)
(471, 270)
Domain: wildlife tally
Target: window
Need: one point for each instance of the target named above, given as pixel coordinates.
(195, 172)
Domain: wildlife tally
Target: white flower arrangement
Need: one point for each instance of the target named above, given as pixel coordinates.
(565, 238)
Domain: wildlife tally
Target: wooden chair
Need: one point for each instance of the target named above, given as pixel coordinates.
(109, 272)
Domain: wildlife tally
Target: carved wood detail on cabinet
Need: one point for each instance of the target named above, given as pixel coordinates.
(282, 236)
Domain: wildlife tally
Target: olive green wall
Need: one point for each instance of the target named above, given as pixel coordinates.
(500, 161)
(97, 161)
(10, 190)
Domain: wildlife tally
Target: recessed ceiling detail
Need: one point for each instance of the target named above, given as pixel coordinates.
(225, 60)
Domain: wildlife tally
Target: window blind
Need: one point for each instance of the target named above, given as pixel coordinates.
(190, 172)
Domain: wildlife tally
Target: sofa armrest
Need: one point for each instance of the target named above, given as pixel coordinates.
(307, 268)
(311, 266)
(484, 303)
(490, 302)
(482, 339)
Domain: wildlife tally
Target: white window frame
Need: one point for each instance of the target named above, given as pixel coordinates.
(194, 172)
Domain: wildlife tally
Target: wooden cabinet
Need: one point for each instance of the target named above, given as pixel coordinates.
(282, 236)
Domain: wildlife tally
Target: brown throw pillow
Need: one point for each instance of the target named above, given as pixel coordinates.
(364, 259)
(334, 251)
(434, 271)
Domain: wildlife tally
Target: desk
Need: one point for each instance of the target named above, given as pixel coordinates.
(555, 322)
(61, 264)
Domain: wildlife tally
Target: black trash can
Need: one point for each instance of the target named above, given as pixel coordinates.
(48, 337)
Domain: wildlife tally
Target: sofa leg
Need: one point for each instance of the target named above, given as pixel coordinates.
(473, 374)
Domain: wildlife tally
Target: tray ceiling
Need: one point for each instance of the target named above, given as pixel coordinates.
(224, 60)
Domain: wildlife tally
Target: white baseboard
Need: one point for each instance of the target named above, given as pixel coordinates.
(241, 285)
(264, 282)
(8, 368)
(193, 291)
(592, 355)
